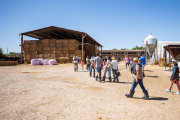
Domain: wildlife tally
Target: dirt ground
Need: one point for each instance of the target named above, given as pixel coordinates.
(57, 93)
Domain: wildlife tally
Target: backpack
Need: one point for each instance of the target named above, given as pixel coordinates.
(134, 70)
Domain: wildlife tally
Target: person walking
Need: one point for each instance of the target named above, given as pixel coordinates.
(97, 65)
(174, 78)
(92, 67)
(107, 68)
(143, 63)
(127, 62)
(132, 68)
(114, 66)
(75, 59)
(138, 80)
(88, 63)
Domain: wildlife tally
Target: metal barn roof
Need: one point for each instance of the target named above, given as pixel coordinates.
(53, 32)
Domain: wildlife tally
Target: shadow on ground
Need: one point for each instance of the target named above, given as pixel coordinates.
(152, 76)
(153, 98)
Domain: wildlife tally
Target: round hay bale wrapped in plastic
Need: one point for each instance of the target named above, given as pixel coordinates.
(34, 62)
(46, 62)
(41, 61)
(52, 62)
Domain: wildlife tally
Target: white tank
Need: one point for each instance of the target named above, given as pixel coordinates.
(151, 43)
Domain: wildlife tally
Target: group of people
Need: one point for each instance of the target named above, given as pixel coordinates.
(136, 66)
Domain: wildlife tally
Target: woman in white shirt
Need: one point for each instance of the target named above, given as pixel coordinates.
(114, 66)
(107, 68)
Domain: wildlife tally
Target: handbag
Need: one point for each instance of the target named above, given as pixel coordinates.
(107, 66)
(119, 74)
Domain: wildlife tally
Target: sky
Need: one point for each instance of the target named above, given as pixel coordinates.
(113, 23)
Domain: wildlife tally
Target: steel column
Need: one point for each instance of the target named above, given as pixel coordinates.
(21, 48)
(101, 52)
(169, 58)
(82, 46)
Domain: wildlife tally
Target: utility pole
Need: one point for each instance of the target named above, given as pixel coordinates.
(7, 50)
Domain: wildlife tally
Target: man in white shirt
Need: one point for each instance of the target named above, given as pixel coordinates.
(114, 66)
(75, 59)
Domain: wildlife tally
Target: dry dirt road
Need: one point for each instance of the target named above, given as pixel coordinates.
(58, 93)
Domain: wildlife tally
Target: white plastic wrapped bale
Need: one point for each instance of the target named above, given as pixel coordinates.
(52, 62)
(41, 61)
(34, 62)
(46, 62)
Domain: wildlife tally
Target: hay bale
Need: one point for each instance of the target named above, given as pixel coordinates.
(59, 44)
(33, 45)
(52, 55)
(45, 44)
(26, 42)
(59, 55)
(73, 41)
(65, 41)
(71, 52)
(46, 52)
(46, 55)
(39, 45)
(45, 41)
(26, 46)
(39, 48)
(72, 48)
(52, 44)
(71, 55)
(39, 52)
(52, 52)
(33, 52)
(59, 48)
(79, 52)
(52, 41)
(33, 41)
(65, 48)
(65, 52)
(59, 51)
(8, 63)
(65, 55)
(40, 55)
(58, 41)
(46, 48)
(53, 48)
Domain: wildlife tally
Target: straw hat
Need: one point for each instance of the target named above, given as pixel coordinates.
(135, 59)
(113, 58)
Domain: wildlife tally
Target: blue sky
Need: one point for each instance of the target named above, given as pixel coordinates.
(113, 23)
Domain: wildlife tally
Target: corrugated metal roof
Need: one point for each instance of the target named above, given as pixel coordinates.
(53, 32)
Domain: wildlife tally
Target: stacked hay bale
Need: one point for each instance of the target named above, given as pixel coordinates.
(8, 63)
(62, 50)
(90, 49)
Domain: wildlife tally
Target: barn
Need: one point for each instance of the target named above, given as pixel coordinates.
(58, 43)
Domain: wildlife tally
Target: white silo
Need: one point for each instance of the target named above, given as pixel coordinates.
(150, 42)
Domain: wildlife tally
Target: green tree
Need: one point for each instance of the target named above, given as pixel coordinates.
(123, 49)
(138, 48)
(1, 52)
(114, 49)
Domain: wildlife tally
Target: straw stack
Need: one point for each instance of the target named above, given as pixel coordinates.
(62, 50)
(8, 63)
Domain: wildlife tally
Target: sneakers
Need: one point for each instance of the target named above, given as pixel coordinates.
(133, 76)
(178, 93)
(168, 90)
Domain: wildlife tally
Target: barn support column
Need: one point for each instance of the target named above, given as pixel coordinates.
(21, 48)
(169, 59)
(101, 52)
(83, 45)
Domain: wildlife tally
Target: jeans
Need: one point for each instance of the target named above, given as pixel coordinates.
(115, 73)
(92, 67)
(109, 71)
(140, 82)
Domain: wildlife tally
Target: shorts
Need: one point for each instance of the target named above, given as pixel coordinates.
(132, 70)
(143, 67)
(75, 63)
(98, 69)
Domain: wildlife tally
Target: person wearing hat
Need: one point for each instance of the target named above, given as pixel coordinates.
(114, 66)
(138, 80)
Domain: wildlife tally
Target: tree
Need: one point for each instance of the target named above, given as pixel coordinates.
(1, 52)
(114, 49)
(123, 49)
(138, 48)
